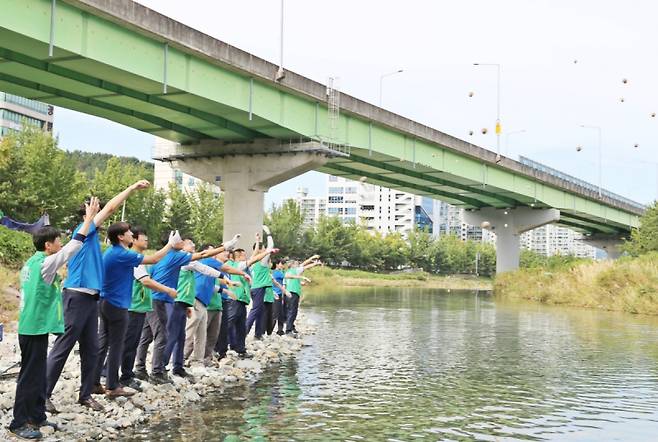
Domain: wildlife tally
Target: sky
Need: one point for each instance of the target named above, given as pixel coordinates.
(563, 65)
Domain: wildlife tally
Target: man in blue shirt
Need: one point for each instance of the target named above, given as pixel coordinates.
(116, 295)
(166, 272)
(81, 294)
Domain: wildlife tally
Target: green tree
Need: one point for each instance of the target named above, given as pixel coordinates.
(178, 213)
(287, 225)
(421, 249)
(36, 178)
(206, 215)
(645, 238)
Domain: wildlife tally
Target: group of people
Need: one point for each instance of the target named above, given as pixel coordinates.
(191, 305)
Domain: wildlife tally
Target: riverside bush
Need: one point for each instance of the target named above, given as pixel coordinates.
(15, 247)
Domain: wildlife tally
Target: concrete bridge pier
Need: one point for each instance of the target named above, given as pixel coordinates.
(610, 244)
(244, 173)
(508, 225)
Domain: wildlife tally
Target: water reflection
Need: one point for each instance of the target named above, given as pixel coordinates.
(407, 364)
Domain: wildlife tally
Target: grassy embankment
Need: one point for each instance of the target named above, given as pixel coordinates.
(8, 301)
(628, 285)
(324, 277)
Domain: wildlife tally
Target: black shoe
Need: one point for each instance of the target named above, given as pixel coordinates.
(47, 423)
(280, 333)
(92, 403)
(26, 432)
(142, 375)
(180, 372)
(132, 383)
(245, 355)
(50, 408)
(160, 378)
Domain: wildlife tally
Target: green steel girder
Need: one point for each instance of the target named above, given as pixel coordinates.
(595, 229)
(608, 228)
(395, 182)
(432, 179)
(118, 89)
(237, 94)
(160, 122)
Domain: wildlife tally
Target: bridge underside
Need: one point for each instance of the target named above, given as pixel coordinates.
(126, 75)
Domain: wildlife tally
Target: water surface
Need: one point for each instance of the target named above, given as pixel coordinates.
(407, 364)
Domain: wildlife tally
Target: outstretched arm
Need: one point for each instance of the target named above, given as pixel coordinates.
(228, 245)
(270, 245)
(310, 260)
(258, 256)
(113, 204)
(157, 287)
(174, 239)
(52, 263)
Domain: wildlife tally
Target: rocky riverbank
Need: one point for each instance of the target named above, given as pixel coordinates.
(79, 423)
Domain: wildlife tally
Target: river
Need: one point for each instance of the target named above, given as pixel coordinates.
(408, 364)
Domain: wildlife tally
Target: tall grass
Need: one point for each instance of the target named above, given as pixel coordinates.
(324, 277)
(628, 284)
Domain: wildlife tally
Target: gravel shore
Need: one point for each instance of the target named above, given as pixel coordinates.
(78, 423)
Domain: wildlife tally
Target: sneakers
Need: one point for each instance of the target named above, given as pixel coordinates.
(245, 355)
(180, 372)
(91, 403)
(280, 333)
(47, 423)
(142, 375)
(119, 392)
(50, 408)
(160, 378)
(98, 389)
(26, 432)
(132, 383)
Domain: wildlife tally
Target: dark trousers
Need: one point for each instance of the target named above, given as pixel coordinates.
(155, 330)
(222, 341)
(279, 312)
(237, 325)
(257, 312)
(30, 402)
(134, 332)
(292, 306)
(176, 334)
(80, 325)
(111, 334)
(269, 317)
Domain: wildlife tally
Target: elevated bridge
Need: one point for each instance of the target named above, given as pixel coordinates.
(237, 121)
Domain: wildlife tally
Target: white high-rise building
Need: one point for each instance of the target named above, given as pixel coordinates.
(378, 208)
(312, 207)
(552, 240)
(449, 220)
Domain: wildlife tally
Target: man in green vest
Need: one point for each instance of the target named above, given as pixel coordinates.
(237, 310)
(41, 313)
(262, 296)
(294, 286)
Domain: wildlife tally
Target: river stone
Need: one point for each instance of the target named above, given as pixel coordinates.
(230, 379)
(247, 364)
(192, 396)
(121, 400)
(47, 430)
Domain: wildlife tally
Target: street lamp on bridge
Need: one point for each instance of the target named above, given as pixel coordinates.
(498, 127)
(381, 82)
